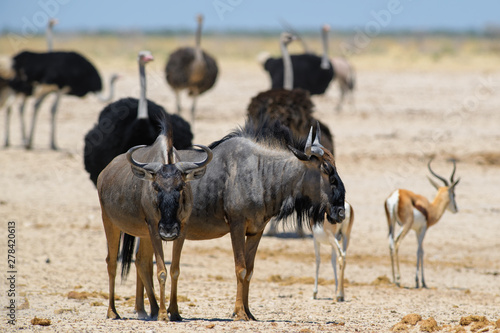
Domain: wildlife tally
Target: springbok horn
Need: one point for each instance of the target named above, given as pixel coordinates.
(307, 148)
(453, 172)
(131, 159)
(185, 167)
(436, 175)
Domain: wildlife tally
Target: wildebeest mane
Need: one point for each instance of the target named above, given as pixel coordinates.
(266, 131)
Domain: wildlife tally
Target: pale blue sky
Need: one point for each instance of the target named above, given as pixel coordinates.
(226, 15)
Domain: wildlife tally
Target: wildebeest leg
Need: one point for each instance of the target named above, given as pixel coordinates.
(244, 254)
(144, 267)
(173, 308)
(160, 268)
(113, 239)
(251, 246)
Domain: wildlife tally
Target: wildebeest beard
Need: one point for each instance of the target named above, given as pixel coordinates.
(169, 224)
(304, 209)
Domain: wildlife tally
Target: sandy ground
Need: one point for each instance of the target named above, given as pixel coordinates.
(383, 140)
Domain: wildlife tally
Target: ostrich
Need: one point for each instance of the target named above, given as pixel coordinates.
(343, 69)
(346, 76)
(39, 74)
(311, 72)
(293, 107)
(193, 69)
(64, 73)
(130, 122)
(49, 34)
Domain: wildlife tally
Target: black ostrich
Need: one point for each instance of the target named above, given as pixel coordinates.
(193, 69)
(62, 73)
(130, 122)
(310, 72)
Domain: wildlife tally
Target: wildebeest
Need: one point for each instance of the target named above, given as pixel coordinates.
(257, 174)
(147, 200)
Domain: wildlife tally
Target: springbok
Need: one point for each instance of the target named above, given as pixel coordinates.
(413, 211)
(332, 234)
(151, 201)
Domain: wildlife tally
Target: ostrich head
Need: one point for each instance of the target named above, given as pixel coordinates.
(286, 38)
(145, 57)
(199, 19)
(52, 23)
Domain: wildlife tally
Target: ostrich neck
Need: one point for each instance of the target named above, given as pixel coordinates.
(49, 39)
(198, 54)
(287, 68)
(142, 112)
(325, 64)
(111, 93)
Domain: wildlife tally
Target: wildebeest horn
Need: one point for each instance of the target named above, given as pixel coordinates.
(307, 148)
(186, 167)
(150, 168)
(317, 147)
(131, 159)
(436, 175)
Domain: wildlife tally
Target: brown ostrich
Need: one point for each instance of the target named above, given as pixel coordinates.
(293, 107)
(193, 69)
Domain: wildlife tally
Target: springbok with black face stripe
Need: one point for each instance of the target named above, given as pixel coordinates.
(413, 211)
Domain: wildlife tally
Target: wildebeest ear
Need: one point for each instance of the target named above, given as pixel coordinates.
(300, 154)
(142, 173)
(196, 174)
(147, 171)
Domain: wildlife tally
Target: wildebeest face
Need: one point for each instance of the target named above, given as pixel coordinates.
(326, 190)
(334, 189)
(171, 194)
(170, 185)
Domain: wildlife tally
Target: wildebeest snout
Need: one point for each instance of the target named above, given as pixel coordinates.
(337, 214)
(168, 233)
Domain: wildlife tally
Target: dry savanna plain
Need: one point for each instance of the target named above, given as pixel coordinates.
(415, 97)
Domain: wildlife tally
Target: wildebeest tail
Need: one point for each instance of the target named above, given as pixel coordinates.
(127, 253)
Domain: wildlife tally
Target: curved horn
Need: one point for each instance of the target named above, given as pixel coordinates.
(307, 148)
(185, 167)
(318, 134)
(453, 172)
(131, 160)
(436, 175)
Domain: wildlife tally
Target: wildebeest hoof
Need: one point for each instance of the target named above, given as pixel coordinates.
(340, 298)
(175, 317)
